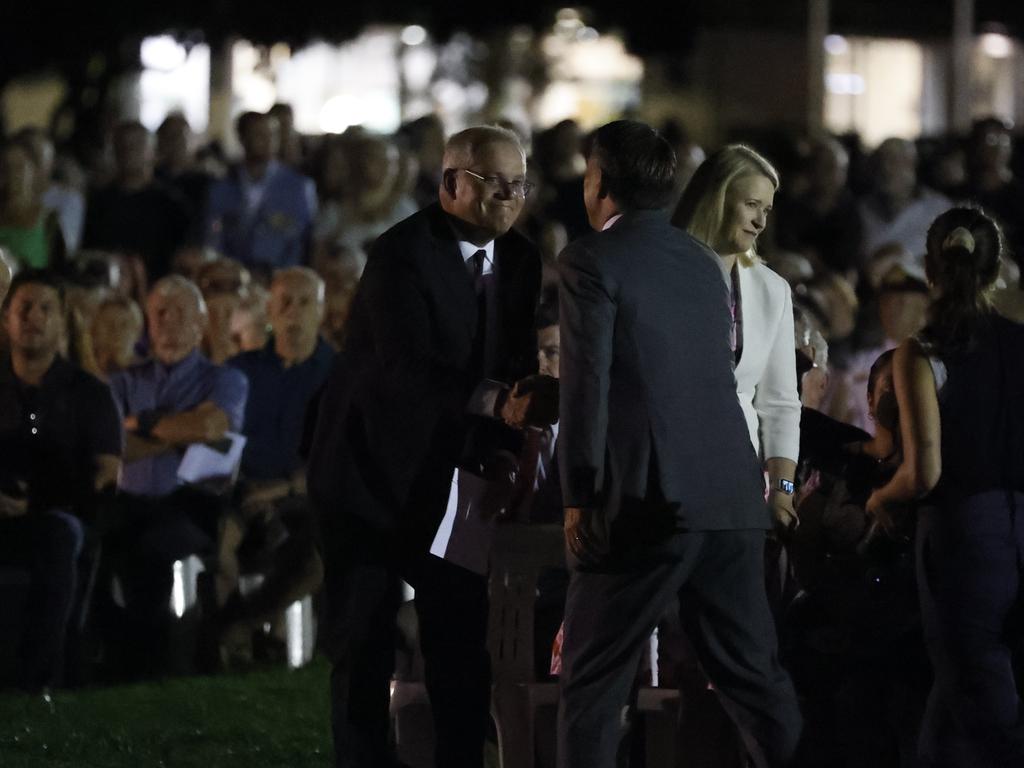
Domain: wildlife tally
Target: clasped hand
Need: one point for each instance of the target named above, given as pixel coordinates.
(533, 402)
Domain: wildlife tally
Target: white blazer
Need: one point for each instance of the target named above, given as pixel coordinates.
(766, 372)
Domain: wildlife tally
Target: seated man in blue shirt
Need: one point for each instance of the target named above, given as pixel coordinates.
(283, 377)
(60, 445)
(169, 402)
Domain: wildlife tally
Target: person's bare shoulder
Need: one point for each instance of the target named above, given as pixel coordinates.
(1009, 302)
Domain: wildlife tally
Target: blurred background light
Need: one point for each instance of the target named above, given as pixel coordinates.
(996, 46)
(836, 45)
(162, 53)
(414, 35)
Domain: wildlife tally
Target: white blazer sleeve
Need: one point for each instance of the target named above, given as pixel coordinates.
(775, 397)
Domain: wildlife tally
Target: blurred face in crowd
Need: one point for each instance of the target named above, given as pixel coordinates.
(19, 176)
(248, 329)
(172, 143)
(133, 152)
(221, 277)
(176, 322)
(218, 343)
(115, 329)
(338, 306)
(896, 169)
(813, 388)
(548, 348)
(375, 165)
(829, 166)
(430, 151)
(747, 203)
(902, 313)
(335, 172)
(190, 261)
(33, 320)
(992, 148)
(260, 139)
(488, 205)
(295, 311)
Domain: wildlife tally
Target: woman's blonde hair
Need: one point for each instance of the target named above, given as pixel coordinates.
(701, 210)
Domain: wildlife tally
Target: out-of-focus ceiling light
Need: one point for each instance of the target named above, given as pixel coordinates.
(836, 45)
(414, 35)
(996, 46)
(162, 53)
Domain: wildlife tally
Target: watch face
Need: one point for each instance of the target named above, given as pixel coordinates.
(786, 486)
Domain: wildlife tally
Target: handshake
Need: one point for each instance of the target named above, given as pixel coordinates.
(532, 402)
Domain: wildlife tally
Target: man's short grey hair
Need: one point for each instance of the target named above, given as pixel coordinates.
(171, 284)
(462, 148)
(302, 273)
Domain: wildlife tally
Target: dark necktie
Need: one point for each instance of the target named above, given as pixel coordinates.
(477, 263)
(480, 339)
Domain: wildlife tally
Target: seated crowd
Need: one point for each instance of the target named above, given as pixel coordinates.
(180, 300)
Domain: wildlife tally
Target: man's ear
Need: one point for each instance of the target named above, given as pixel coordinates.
(448, 181)
(602, 188)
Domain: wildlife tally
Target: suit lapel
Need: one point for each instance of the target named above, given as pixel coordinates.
(450, 269)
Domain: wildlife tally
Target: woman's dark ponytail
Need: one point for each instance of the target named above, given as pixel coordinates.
(962, 262)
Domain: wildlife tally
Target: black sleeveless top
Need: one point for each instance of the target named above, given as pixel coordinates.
(981, 407)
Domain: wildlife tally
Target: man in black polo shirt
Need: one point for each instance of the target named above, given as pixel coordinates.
(60, 444)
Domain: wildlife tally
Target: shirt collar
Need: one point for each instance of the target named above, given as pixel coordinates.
(187, 363)
(611, 222)
(57, 371)
(467, 249)
(322, 353)
(247, 180)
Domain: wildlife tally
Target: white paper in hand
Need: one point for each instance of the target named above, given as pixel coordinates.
(201, 462)
(465, 534)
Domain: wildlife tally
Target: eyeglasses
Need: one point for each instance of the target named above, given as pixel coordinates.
(517, 187)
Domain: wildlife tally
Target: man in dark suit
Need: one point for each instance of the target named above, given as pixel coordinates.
(664, 498)
(443, 315)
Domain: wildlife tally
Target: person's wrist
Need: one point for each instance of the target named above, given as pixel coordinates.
(146, 421)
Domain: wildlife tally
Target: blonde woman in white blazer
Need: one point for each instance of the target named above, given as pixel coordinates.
(726, 204)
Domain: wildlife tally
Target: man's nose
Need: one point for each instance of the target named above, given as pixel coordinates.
(504, 191)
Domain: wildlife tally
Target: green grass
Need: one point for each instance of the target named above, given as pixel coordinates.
(274, 717)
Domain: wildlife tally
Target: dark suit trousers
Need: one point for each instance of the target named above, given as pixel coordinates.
(363, 590)
(718, 577)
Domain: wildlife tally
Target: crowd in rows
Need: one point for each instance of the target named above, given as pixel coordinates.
(164, 297)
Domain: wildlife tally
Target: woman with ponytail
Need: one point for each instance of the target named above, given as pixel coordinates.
(960, 389)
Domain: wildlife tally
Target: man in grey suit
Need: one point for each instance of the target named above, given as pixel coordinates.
(663, 493)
